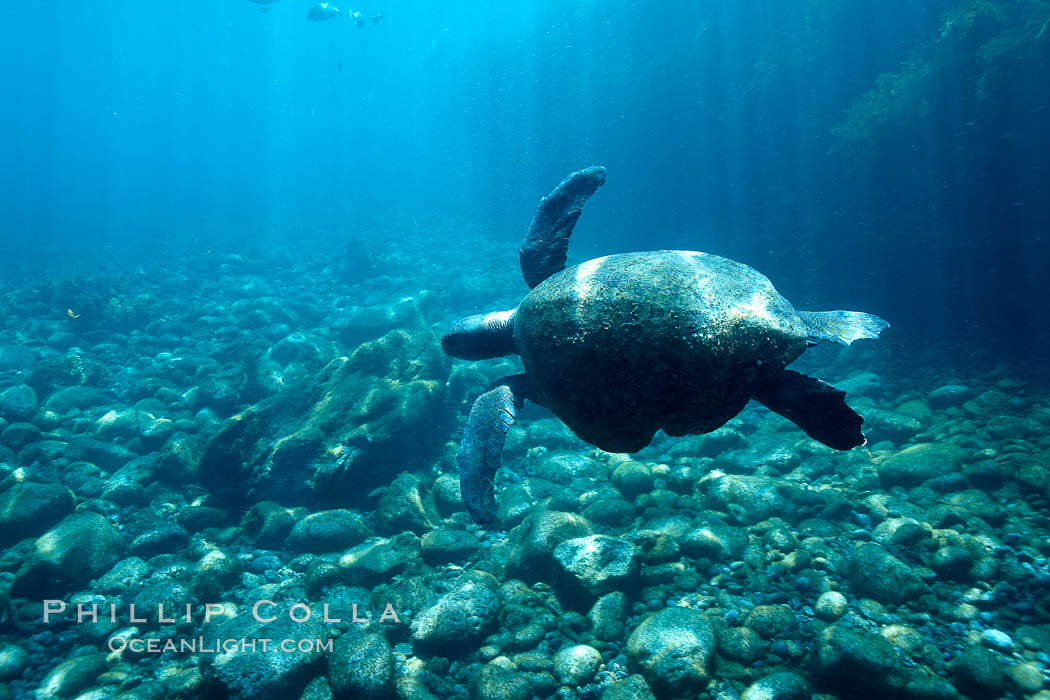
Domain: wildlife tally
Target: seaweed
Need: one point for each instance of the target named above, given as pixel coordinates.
(979, 43)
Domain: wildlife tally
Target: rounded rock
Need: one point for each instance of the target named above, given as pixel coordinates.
(830, 606)
(13, 661)
(952, 562)
(361, 665)
(979, 673)
(877, 574)
(778, 686)
(496, 681)
(68, 678)
(576, 665)
(122, 423)
(589, 567)
(632, 479)
(672, 648)
(327, 531)
(916, 464)
(535, 539)
(82, 546)
(998, 640)
(448, 546)
(28, 509)
(630, 688)
(607, 616)
(447, 496)
(741, 644)
(18, 403)
(1026, 678)
(856, 663)
(771, 621)
(156, 432)
(461, 616)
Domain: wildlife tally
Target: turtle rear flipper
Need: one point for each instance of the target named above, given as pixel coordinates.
(842, 326)
(481, 337)
(547, 243)
(481, 449)
(815, 406)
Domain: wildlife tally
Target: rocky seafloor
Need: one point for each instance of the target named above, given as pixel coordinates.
(221, 429)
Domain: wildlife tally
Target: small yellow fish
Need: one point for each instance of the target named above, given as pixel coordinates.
(69, 312)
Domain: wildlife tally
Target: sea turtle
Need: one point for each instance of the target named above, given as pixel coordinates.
(322, 12)
(622, 346)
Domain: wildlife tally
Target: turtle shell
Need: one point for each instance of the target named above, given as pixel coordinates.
(621, 346)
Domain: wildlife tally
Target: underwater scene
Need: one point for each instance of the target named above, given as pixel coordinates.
(584, 350)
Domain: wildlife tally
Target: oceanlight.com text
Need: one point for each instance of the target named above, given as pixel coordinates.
(200, 645)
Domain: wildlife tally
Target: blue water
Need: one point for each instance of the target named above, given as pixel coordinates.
(231, 241)
(131, 126)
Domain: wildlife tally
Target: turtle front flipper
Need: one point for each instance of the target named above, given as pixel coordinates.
(546, 246)
(481, 449)
(842, 327)
(815, 406)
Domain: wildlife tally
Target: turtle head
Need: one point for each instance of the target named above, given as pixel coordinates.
(481, 337)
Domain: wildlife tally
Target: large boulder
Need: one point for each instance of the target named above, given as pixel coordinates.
(269, 671)
(123, 423)
(585, 568)
(751, 499)
(292, 359)
(28, 508)
(979, 673)
(857, 664)
(949, 395)
(897, 427)
(439, 547)
(84, 545)
(321, 440)
(328, 531)
(576, 664)
(778, 686)
(497, 681)
(532, 552)
(630, 688)
(81, 397)
(18, 403)
(108, 456)
(361, 667)
(367, 322)
(717, 542)
(875, 573)
(916, 464)
(14, 660)
(378, 559)
(402, 508)
(72, 676)
(459, 617)
(673, 648)
(17, 358)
